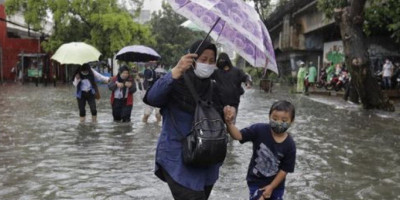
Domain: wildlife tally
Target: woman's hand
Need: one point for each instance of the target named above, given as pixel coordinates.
(120, 85)
(128, 84)
(184, 64)
(229, 114)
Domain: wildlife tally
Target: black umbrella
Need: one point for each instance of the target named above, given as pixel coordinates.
(137, 53)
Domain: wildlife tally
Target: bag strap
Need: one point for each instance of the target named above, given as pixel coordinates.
(196, 97)
(189, 84)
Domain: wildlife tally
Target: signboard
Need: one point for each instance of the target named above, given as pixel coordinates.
(34, 73)
(333, 52)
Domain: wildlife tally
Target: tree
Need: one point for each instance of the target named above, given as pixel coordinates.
(349, 14)
(383, 15)
(263, 8)
(172, 39)
(102, 23)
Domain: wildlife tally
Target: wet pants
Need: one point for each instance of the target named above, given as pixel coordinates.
(180, 192)
(89, 97)
(120, 111)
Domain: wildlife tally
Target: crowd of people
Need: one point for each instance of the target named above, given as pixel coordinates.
(198, 77)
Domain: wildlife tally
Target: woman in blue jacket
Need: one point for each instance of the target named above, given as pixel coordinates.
(171, 94)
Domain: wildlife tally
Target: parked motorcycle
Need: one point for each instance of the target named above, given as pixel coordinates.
(322, 79)
(338, 82)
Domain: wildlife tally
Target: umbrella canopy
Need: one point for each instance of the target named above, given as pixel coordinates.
(77, 53)
(190, 25)
(234, 24)
(137, 53)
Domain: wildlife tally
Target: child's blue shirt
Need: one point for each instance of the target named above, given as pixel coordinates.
(268, 156)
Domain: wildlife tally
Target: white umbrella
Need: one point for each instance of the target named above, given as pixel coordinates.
(77, 53)
(190, 25)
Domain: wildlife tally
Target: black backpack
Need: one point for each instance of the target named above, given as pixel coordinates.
(207, 142)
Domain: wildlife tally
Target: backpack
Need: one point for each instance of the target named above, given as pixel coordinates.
(207, 142)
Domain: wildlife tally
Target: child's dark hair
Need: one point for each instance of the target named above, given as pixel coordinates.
(283, 105)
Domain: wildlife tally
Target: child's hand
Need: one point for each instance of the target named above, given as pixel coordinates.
(229, 114)
(267, 192)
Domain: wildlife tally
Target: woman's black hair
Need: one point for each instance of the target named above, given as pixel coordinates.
(123, 68)
(283, 105)
(201, 46)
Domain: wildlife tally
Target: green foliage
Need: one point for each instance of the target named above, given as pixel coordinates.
(263, 8)
(380, 15)
(102, 23)
(172, 39)
(328, 6)
(384, 15)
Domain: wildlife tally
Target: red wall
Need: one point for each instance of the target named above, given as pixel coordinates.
(11, 47)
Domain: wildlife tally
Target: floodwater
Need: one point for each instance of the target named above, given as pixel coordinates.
(343, 152)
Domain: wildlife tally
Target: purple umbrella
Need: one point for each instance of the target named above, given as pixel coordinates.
(137, 53)
(234, 24)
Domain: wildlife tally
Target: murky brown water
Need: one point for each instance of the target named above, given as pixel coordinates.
(343, 152)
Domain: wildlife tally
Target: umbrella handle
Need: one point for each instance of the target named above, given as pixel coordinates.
(208, 34)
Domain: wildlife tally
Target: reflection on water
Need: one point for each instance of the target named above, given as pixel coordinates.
(343, 152)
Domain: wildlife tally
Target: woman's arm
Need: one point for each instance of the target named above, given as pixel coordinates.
(100, 77)
(157, 95)
(76, 81)
(112, 85)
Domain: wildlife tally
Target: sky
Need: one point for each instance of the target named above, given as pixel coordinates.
(152, 5)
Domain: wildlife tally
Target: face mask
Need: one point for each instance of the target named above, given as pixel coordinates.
(279, 127)
(204, 70)
(222, 64)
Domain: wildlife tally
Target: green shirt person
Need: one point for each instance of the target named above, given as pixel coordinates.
(330, 71)
(312, 73)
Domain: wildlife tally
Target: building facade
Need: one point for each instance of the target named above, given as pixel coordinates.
(14, 41)
(299, 31)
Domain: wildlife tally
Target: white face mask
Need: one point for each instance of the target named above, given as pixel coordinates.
(204, 70)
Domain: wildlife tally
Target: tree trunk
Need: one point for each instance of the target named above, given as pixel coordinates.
(350, 20)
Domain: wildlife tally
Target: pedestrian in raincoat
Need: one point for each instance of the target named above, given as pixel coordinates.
(171, 94)
(312, 75)
(122, 86)
(87, 90)
(229, 81)
(301, 74)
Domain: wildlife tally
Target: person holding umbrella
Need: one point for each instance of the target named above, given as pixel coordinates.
(172, 95)
(87, 90)
(122, 86)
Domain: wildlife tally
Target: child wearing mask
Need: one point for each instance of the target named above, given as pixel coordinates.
(274, 150)
(122, 86)
(86, 89)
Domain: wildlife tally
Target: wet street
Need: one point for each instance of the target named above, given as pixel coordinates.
(343, 152)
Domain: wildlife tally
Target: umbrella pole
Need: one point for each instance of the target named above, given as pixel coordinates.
(208, 34)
